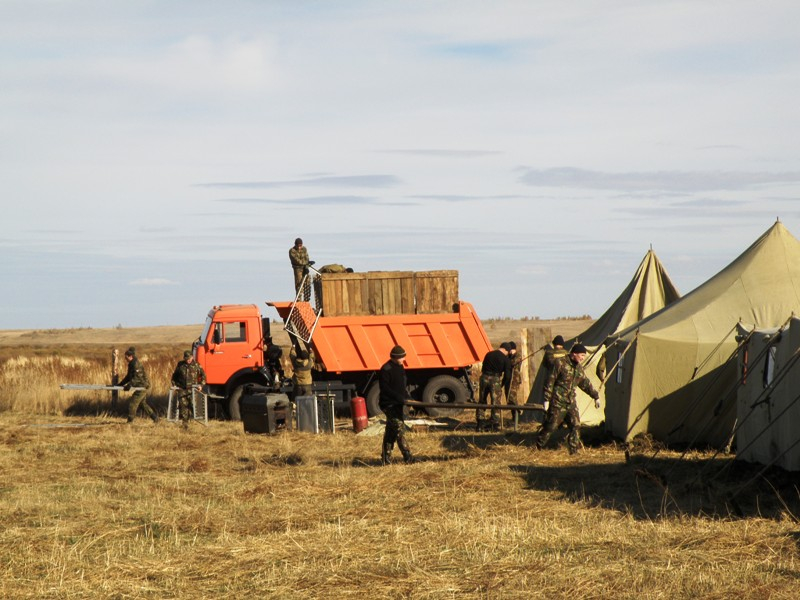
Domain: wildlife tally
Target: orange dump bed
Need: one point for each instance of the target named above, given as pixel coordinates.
(432, 341)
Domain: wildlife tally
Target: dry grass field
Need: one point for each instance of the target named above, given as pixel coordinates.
(94, 508)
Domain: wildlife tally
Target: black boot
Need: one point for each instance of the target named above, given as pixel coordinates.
(386, 454)
(154, 416)
(408, 457)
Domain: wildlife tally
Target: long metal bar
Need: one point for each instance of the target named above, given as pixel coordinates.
(90, 386)
(444, 405)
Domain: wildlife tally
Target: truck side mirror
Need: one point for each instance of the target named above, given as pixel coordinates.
(217, 336)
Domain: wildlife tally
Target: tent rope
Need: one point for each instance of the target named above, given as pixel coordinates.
(714, 351)
(793, 360)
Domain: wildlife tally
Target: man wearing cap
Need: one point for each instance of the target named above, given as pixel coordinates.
(302, 364)
(298, 256)
(552, 354)
(136, 377)
(516, 376)
(393, 388)
(567, 374)
(495, 376)
(187, 375)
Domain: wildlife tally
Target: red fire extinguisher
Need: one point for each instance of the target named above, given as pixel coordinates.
(358, 408)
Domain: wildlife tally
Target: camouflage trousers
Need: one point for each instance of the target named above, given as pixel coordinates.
(490, 387)
(300, 280)
(559, 413)
(185, 405)
(139, 398)
(395, 430)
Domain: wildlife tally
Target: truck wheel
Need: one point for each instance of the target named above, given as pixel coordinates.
(234, 404)
(373, 395)
(444, 389)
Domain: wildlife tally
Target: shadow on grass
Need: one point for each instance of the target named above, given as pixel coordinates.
(650, 488)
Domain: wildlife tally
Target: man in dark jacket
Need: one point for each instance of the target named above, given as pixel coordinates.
(495, 376)
(137, 378)
(393, 387)
(567, 374)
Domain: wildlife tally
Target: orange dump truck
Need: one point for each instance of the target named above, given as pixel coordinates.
(349, 351)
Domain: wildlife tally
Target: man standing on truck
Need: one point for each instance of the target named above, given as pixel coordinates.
(567, 374)
(298, 256)
(302, 363)
(136, 377)
(495, 376)
(188, 375)
(393, 388)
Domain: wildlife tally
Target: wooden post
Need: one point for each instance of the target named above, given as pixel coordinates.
(114, 378)
(537, 337)
(524, 369)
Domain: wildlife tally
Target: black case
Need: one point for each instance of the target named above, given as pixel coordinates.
(266, 413)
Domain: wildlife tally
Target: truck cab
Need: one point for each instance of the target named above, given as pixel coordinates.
(231, 351)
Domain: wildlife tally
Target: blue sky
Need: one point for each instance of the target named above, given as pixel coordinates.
(157, 158)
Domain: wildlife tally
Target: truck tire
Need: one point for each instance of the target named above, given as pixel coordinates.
(373, 395)
(234, 404)
(444, 389)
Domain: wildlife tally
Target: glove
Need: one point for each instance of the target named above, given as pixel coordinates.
(597, 402)
(311, 262)
(127, 387)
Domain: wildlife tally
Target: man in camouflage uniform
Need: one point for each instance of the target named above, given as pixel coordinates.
(136, 377)
(516, 377)
(567, 374)
(552, 354)
(187, 375)
(495, 375)
(394, 391)
(298, 256)
(302, 365)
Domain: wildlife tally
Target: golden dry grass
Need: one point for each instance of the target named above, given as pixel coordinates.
(94, 508)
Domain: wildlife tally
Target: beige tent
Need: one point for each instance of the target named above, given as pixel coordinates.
(768, 399)
(650, 290)
(676, 373)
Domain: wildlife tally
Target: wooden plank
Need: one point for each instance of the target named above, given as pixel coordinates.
(436, 291)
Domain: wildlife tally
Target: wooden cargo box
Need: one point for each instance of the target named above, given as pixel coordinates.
(387, 292)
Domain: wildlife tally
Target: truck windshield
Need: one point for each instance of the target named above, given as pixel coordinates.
(206, 329)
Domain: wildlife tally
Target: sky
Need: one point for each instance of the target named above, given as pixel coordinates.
(158, 158)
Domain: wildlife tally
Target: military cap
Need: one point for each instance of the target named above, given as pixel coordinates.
(512, 345)
(505, 346)
(131, 350)
(578, 349)
(302, 355)
(298, 241)
(187, 354)
(558, 341)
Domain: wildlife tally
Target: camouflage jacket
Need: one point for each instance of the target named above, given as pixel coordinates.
(552, 355)
(298, 257)
(302, 368)
(187, 375)
(136, 376)
(562, 381)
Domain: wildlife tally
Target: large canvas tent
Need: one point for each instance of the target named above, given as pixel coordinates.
(675, 375)
(648, 291)
(768, 399)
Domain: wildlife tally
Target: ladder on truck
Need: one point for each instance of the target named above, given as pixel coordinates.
(303, 317)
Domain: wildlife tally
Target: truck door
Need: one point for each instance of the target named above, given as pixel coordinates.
(231, 347)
